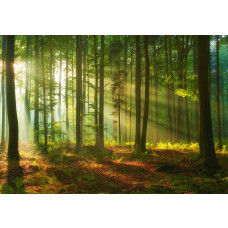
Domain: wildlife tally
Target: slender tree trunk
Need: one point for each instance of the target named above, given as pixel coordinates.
(101, 103)
(95, 93)
(196, 103)
(36, 120)
(27, 81)
(3, 90)
(72, 92)
(78, 91)
(44, 96)
(156, 95)
(130, 133)
(138, 94)
(168, 92)
(52, 95)
(66, 92)
(147, 92)
(186, 98)
(13, 153)
(218, 95)
(60, 86)
(206, 135)
(125, 77)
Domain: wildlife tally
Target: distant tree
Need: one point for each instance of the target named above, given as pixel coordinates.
(101, 103)
(66, 90)
(37, 76)
(96, 92)
(44, 96)
(78, 91)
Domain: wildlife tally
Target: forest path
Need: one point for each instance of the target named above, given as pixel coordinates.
(115, 170)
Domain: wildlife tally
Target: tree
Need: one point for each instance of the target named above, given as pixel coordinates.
(78, 91)
(138, 94)
(206, 135)
(147, 92)
(36, 116)
(44, 96)
(101, 105)
(28, 40)
(13, 153)
(66, 92)
(95, 93)
(3, 89)
(218, 94)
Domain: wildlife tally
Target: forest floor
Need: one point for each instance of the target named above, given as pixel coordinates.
(115, 170)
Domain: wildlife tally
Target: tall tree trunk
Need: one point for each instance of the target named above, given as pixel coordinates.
(138, 94)
(125, 80)
(147, 92)
(36, 120)
(218, 95)
(101, 103)
(185, 86)
(95, 93)
(13, 153)
(156, 94)
(72, 92)
(3, 90)
(66, 92)
(27, 81)
(44, 96)
(78, 91)
(196, 103)
(168, 91)
(83, 108)
(60, 86)
(130, 133)
(52, 94)
(206, 135)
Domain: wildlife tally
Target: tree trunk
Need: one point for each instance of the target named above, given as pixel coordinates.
(44, 96)
(3, 90)
(95, 93)
(13, 153)
(36, 120)
(218, 95)
(206, 135)
(168, 91)
(138, 94)
(147, 92)
(66, 92)
(101, 103)
(156, 95)
(125, 96)
(27, 81)
(78, 91)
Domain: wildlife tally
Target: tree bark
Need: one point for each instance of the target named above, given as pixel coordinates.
(13, 153)
(36, 120)
(138, 94)
(206, 135)
(218, 95)
(44, 97)
(147, 92)
(78, 91)
(101, 103)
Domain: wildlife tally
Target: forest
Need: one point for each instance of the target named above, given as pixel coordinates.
(132, 114)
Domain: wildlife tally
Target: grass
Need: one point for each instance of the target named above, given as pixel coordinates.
(163, 169)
